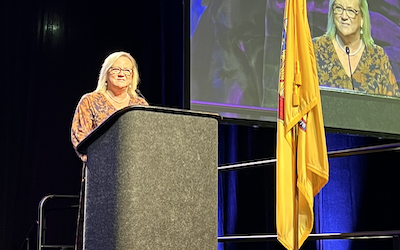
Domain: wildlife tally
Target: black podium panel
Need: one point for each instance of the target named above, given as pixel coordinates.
(152, 182)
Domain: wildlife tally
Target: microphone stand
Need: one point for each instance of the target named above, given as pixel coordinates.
(27, 238)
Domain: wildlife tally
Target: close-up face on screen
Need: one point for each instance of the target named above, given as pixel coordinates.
(235, 48)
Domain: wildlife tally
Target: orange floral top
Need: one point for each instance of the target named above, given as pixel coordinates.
(373, 74)
(93, 109)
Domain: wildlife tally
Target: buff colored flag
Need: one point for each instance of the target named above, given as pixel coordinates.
(302, 162)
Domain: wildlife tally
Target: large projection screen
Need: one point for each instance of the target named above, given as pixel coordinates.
(234, 58)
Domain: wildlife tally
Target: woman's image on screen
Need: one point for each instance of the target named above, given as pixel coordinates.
(235, 50)
(347, 56)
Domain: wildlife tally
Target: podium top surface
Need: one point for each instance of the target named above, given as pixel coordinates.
(102, 128)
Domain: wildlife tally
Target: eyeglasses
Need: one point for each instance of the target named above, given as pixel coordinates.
(117, 70)
(338, 10)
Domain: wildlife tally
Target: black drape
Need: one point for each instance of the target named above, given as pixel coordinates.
(51, 53)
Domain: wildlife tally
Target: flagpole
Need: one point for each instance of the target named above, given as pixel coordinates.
(296, 220)
(296, 129)
(296, 194)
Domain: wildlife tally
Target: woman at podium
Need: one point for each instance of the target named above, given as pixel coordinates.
(116, 89)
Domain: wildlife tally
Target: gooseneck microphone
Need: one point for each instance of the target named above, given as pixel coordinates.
(140, 94)
(351, 72)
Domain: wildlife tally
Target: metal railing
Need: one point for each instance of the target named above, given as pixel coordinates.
(394, 235)
(41, 221)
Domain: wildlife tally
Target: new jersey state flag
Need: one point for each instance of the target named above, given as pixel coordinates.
(302, 162)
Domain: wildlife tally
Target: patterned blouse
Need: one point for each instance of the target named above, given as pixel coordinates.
(92, 110)
(373, 74)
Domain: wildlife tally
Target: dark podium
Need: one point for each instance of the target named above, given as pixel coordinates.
(152, 180)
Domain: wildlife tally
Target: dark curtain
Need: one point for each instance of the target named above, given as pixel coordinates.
(51, 53)
(360, 195)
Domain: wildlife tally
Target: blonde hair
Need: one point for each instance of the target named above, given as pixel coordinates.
(366, 28)
(108, 62)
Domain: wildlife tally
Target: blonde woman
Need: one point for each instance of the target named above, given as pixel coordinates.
(116, 89)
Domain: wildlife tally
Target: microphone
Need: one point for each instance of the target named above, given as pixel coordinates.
(351, 72)
(140, 94)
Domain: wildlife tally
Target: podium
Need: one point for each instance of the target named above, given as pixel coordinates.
(151, 180)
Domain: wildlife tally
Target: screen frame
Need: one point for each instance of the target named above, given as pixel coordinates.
(358, 109)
